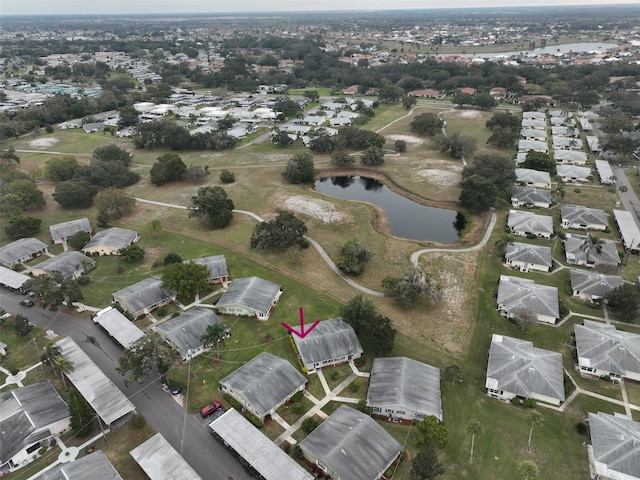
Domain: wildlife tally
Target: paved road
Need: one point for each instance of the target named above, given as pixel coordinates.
(208, 457)
(629, 199)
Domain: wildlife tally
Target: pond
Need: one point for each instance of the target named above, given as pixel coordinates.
(405, 218)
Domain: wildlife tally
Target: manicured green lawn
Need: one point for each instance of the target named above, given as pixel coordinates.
(290, 416)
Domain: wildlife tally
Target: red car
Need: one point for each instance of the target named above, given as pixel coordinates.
(210, 409)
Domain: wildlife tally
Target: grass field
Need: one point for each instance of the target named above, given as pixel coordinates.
(458, 330)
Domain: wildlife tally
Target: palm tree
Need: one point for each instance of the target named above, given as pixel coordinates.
(592, 243)
(534, 419)
(154, 227)
(214, 335)
(474, 427)
(51, 352)
(65, 366)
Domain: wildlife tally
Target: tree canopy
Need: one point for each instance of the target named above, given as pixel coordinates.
(167, 168)
(53, 290)
(425, 465)
(74, 194)
(300, 169)
(432, 431)
(112, 153)
(150, 354)
(212, 206)
(131, 253)
(625, 302)
(186, 279)
(62, 168)
(408, 287)
(284, 231)
(487, 182)
(353, 257)
(21, 226)
(427, 124)
(375, 331)
(114, 203)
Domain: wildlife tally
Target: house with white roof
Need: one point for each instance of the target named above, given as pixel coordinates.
(217, 266)
(570, 157)
(331, 342)
(579, 217)
(70, 264)
(533, 146)
(264, 384)
(143, 297)
(110, 241)
(615, 443)
(604, 350)
(119, 327)
(527, 256)
(518, 369)
(61, 232)
(21, 251)
(567, 143)
(351, 445)
(160, 461)
(523, 223)
(574, 174)
(30, 417)
(516, 294)
(184, 332)
(531, 197)
(591, 286)
(401, 388)
(577, 253)
(533, 178)
(251, 296)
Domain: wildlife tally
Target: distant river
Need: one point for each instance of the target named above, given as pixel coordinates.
(405, 218)
(549, 49)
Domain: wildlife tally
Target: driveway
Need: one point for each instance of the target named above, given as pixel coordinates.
(186, 433)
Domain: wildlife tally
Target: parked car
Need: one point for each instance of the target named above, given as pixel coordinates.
(210, 409)
(175, 389)
(27, 302)
(217, 414)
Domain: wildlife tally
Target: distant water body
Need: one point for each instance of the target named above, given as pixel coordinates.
(548, 50)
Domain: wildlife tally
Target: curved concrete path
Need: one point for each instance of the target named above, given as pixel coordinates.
(492, 223)
(414, 256)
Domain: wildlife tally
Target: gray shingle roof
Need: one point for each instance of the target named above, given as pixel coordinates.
(404, 382)
(528, 175)
(66, 230)
(142, 294)
(581, 215)
(67, 263)
(528, 253)
(569, 156)
(216, 264)
(330, 339)
(115, 238)
(573, 171)
(593, 283)
(95, 466)
(529, 222)
(576, 253)
(96, 388)
(530, 195)
(251, 292)
(14, 251)
(26, 410)
(603, 347)
(616, 443)
(160, 461)
(516, 293)
(265, 381)
(352, 444)
(185, 330)
(518, 367)
(271, 462)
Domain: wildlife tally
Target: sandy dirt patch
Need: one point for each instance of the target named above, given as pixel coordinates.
(42, 143)
(407, 138)
(440, 177)
(470, 114)
(313, 207)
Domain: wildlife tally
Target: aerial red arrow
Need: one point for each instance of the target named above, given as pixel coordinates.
(302, 333)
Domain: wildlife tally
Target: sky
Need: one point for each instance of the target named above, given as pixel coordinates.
(108, 7)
